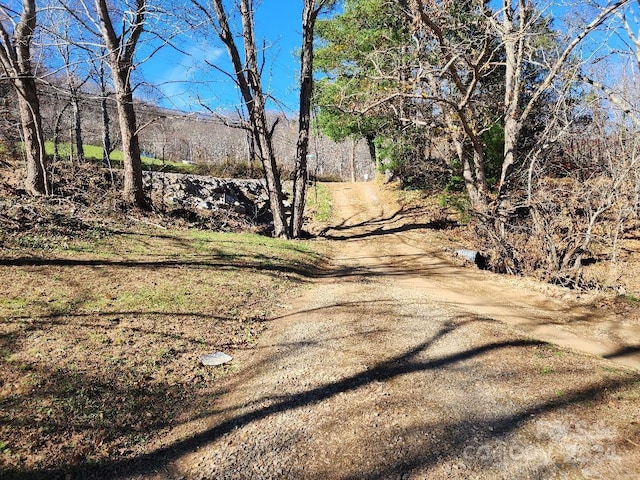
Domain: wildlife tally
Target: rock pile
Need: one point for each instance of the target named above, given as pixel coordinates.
(207, 195)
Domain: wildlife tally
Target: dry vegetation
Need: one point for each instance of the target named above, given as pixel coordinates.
(102, 318)
(612, 280)
(103, 313)
(100, 337)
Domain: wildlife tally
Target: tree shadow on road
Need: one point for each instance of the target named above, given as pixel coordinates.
(398, 222)
(457, 437)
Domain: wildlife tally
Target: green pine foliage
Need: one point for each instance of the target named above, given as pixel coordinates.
(352, 47)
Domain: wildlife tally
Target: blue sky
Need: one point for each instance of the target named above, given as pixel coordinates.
(186, 80)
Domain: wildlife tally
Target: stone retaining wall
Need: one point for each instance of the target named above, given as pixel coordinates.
(206, 195)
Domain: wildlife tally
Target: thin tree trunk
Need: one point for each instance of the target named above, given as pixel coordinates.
(106, 134)
(352, 159)
(263, 131)
(77, 125)
(56, 133)
(301, 175)
(247, 76)
(251, 152)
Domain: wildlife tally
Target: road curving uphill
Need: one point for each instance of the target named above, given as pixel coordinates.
(397, 363)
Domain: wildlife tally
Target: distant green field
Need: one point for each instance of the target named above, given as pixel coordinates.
(148, 163)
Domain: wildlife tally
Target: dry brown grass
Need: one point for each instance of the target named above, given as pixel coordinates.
(99, 337)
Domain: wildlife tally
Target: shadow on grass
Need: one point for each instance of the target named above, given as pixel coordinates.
(624, 351)
(257, 263)
(303, 271)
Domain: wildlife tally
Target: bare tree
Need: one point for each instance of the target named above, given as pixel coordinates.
(310, 12)
(515, 24)
(582, 192)
(15, 57)
(58, 28)
(119, 26)
(619, 91)
(74, 84)
(464, 64)
(247, 76)
(121, 48)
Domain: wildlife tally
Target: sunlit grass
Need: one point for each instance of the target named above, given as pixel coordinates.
(94, 152)
(319, 202)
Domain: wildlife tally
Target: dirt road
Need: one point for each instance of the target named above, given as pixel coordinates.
(402, 250)
(399, 364)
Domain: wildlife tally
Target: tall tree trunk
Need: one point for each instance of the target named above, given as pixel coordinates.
(514, 25)
(133, 192)
(513, 46)
(31, 120)
(263, 131)
(120, 57)
(301, 175)
(473, 174)
(77, 124)
(264, 148)
(15, 58)
(371, 145)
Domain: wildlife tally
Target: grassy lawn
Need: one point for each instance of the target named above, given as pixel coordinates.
(99, 338)
(148, 163)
